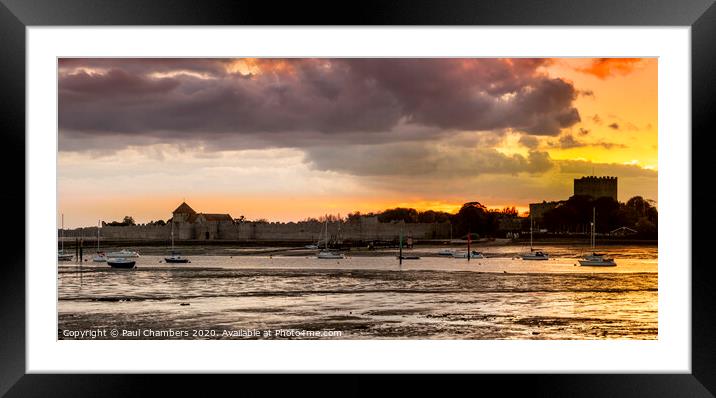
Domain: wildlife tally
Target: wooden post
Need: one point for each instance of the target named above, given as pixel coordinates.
(468, 245)
(400, 255)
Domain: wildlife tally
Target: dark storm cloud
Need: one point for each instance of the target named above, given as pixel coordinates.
(207, 99)
(529, 141)
(568, 141)
(418, 159)
(614, 169)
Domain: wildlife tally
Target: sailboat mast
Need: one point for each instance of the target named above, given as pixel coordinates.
(531, 222)
(594, 226)
(62, 234)
(98, 225)
(400, 244)
(469, 237)
(172, 234)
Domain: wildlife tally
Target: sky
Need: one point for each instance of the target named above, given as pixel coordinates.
(288, 139)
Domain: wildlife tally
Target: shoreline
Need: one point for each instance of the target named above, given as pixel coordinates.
(90, 242)
(423, 249)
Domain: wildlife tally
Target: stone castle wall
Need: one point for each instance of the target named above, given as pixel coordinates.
(249, 231)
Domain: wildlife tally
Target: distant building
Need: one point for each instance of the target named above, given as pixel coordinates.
(193, 225)
(509, 224)
(537, 210)
(596, 187)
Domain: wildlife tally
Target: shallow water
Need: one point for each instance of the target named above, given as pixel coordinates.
(364, 298)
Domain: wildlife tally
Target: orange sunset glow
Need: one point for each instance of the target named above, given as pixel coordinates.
(289, 139)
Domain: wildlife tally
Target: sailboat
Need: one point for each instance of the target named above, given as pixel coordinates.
(327, 254)
(121, 263)
(596, 259)
(61, 256)
(469, 253)
(534, 254)
(99, 257)
(175, 258)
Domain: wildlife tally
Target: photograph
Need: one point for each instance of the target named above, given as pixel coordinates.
(373, 198)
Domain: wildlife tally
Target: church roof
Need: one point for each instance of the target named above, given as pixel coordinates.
(216, 217)
(184, 209)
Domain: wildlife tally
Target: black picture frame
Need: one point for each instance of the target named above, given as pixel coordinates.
(16, 15)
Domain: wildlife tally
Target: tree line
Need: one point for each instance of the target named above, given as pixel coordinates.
(570, 216)
(575, 215)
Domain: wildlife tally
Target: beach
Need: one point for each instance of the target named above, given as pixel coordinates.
(280, 293)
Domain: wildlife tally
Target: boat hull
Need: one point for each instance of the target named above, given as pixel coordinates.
(330, 256)
(597, 263)
(176, 260)
(122, 255)
(535, 258)
(121, 264)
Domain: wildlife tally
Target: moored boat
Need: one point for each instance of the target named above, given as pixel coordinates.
(121, 263)
(596, 259)
(473, 254)
(175, 257)
(124, 253)
(326, 254)
(534, 254)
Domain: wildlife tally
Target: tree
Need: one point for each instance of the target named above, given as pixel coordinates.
(399, 214)
(475, 218)
(128, 220)
(432, 216)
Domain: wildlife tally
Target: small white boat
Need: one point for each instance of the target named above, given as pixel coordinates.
(121, 263)
(124, 253)
(175, 257)
(447, 252)
(535, 255)
(312, 247)
(596, 259)
(476, 254)
(325, 254)
(473, 254)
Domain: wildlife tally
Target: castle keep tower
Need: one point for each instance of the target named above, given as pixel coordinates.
(183, 213)
(596, 187)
